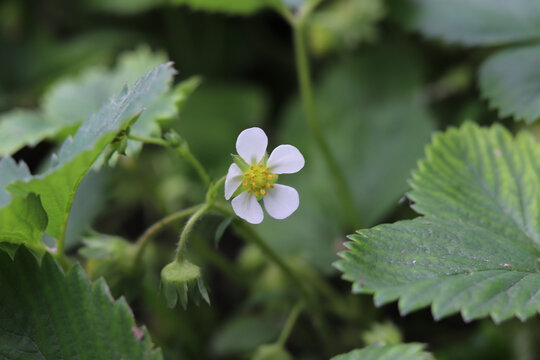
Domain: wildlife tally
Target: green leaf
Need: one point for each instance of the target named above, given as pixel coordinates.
(476, 22)
(22, 219)
(49, 315)
(370, 109)
(244, 333)
(344, 24)
(161, 112)
(510, 81)
(388, 352)
(58, 185)
(23, 127)
(476, 248)
(74, 100)
(70, 101)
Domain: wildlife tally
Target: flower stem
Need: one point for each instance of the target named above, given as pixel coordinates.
(289, 325)
(306, 93)
(187, 228)
(182, 150)
(145, 238)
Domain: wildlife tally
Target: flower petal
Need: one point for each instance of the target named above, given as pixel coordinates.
(247, 207)
(233, 180)
(285, 159)
(251, 145)
(281, 201)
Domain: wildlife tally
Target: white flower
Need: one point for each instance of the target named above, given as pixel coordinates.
(253, 177)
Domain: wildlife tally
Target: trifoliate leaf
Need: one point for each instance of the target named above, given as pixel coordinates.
(49, 315)
(476, 248)
(477, 22)
(509, 80)
(388, 352)
(58, 185)
(22, 219)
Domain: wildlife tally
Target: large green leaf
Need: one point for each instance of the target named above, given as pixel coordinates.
(22, 219)
(477, 22)
(477, 248)
(70, 101)
(510, 80)
(370, 109)
(388, 352)
(45, 314)
(58, 185)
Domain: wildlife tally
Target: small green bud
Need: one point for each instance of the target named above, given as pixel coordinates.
(180, 278)
(173, 138)
(271, 352)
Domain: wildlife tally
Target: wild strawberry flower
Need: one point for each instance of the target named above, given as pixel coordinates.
(253, 176)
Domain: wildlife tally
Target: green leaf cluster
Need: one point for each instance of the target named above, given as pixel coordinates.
(475, 249)
(388, 352)
(70, 101)
(508, 79)
(49, 315)
(58, 185)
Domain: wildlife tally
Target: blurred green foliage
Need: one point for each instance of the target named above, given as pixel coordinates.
(380, 93)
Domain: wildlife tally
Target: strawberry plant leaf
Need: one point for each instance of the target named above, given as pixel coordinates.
(49, 315)
(387, 352)
(58, 185)
(70, 101)
(476, 22)
(476, 247)
(22, 219)
(509, 80)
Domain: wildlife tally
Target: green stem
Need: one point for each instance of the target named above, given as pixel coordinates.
(145, 238)
(249, 234)
(289, 325)
(187, 228)
(148, 140)
(182, 150)
(306, 93)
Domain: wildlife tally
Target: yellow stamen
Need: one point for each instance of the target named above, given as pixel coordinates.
(257, 193)
(244, 183)
(263, 192)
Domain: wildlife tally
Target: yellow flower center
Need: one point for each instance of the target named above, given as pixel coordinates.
(258, 179)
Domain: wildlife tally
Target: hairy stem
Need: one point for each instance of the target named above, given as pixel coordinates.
(145, 238)
(182, 150)
(187, 228)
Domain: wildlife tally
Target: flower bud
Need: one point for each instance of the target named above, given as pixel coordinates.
(180, 278)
